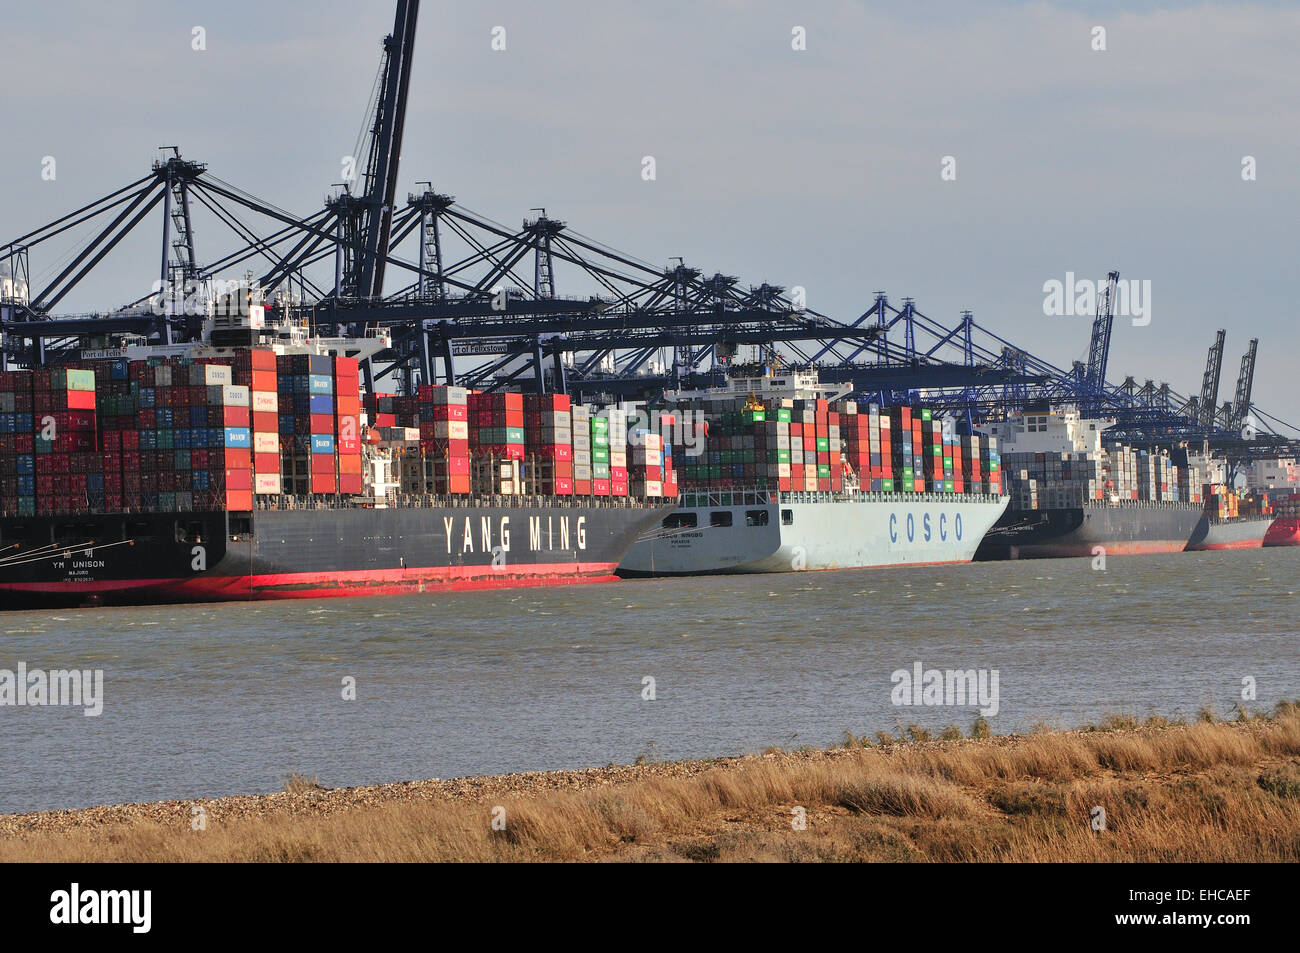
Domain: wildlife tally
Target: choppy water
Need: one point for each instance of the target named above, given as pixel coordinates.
(204, 701)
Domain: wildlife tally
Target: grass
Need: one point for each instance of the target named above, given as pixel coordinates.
(1210, 791)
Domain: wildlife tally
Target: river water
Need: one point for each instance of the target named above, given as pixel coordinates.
(200, 701)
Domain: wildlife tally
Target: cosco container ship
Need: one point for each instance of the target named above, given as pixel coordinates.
(778, 476)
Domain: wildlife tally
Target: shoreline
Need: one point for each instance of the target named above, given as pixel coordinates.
(1202, 791)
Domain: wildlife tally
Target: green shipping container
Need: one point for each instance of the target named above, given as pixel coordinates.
(783, 415)
(599, 425)
(600, 455)
(925, 413)
(948, 487)
(514, 435)
(823, 444)
(887, 486)
(823, 471)
(778, 456)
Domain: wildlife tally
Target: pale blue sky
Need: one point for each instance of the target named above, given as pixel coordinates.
(817, 168)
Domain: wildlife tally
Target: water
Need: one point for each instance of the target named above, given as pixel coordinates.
(202, 701)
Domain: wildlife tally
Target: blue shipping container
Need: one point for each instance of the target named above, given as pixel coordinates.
(322, 443)
(322, 404)
(239, 438)
(320, 384)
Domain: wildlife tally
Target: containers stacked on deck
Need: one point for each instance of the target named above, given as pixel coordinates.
(256, 369)
(347, 423)
(443, 462)
(809, 445)
(307, 423)
(1055, 480)
(1069, 479)
(581, 416)
(548, 436)
(496, 441)
(600, 427)
(1220, 502)
(68, 470)
(1189, 484)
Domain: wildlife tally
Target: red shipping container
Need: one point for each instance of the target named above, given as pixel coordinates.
(618, 487)
(555, 451)
(458, 466)
(233, 459)
(450, 412)
(322, 424)
(385, 420)
(235, 479)
(266, 422)
(350, 464)
(582, 487)
(349, 434)
(236, 417)
(323, 481)
(239, 499)
(266, 462)
(349, 482)
(346, 367)
(600, 487)
(347, 406)
(262, 359)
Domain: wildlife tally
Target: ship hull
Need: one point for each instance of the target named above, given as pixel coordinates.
(1246, 532)
(314, 553)
(1285, 531)
(875, 530)
(1090, 529)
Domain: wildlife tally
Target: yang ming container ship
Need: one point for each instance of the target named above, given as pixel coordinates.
(777, 476)
(202, 473)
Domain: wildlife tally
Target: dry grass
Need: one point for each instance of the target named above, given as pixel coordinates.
(1209, 791)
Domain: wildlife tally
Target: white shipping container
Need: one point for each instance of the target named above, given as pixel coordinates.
(235, 395)
(266, 402)
(267, 484)
(266, 443)
(618, 458)
(212, 374)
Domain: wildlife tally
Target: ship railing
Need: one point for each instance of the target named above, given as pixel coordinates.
(466, 501)
(756, 497)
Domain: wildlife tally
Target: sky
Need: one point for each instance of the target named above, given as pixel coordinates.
(821, 168)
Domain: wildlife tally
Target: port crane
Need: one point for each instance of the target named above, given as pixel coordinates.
(481, 303)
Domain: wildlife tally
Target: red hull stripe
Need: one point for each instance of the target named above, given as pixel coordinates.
(327, 584)
(1235, 544)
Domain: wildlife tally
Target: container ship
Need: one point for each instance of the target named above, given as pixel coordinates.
(1071, 495)
(1232, 521)
(201, 473)
(777, 478)
(1285, 528)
